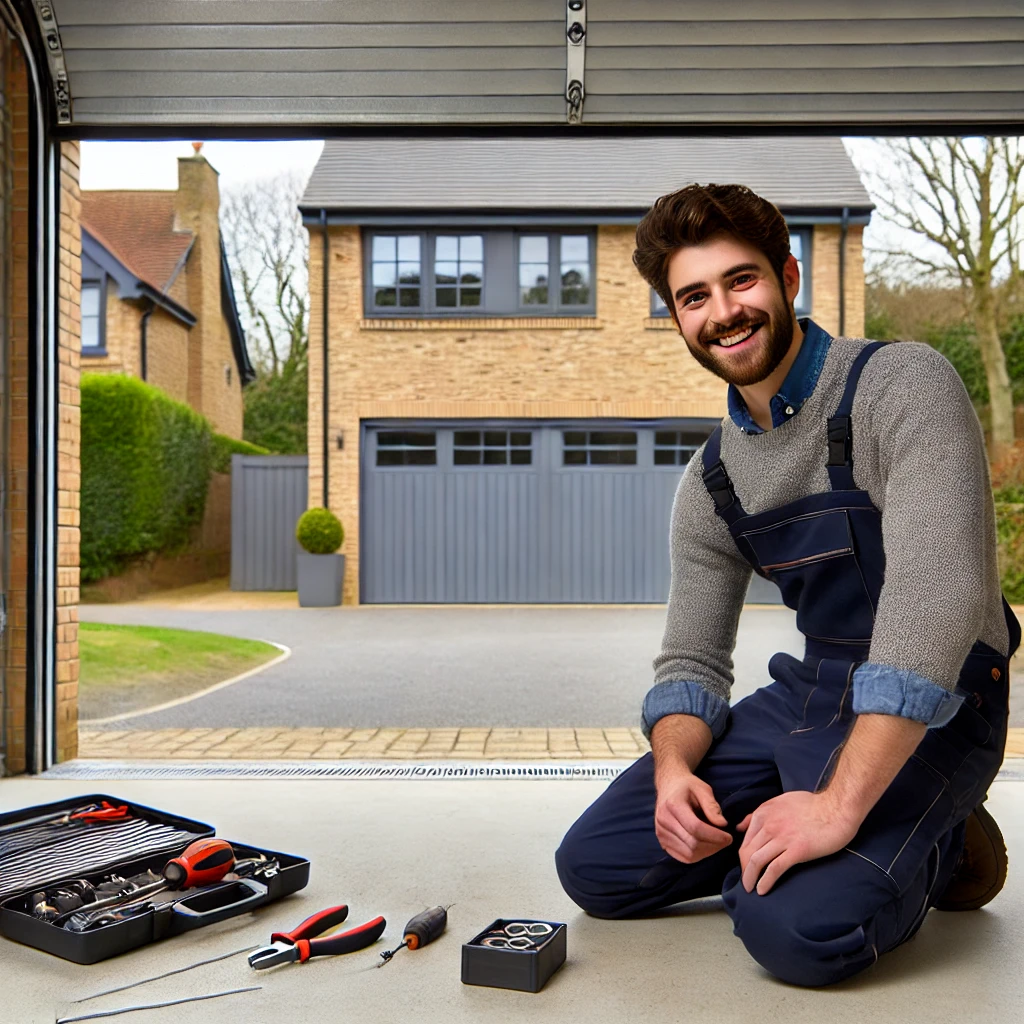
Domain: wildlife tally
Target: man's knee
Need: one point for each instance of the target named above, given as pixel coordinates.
(572, 859)
(799, 942)
(594, 877)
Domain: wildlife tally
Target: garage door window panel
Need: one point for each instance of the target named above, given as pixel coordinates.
(599, 448)
(676, 447)
(400, 448)
(493, 448)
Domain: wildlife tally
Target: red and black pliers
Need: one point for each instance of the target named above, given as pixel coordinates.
(299, 944)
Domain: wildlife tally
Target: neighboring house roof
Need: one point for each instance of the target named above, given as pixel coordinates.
(136, 228)
(623, 174)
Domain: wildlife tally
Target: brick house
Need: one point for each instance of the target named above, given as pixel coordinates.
(157, 300)
(508, 404)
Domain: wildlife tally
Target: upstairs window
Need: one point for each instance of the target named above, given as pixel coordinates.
(93, 333)
(458, 271)
(449, 273)
(395, 271)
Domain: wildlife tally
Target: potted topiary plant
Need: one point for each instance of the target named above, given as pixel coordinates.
(321, 569)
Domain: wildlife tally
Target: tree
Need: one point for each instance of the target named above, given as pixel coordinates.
(268, 252)
(961, 199)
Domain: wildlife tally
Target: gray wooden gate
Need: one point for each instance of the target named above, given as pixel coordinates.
(268, 494)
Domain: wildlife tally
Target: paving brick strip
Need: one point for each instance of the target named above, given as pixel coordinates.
(470, 744)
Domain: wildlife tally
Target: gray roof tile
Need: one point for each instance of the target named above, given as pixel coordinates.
(576, 174)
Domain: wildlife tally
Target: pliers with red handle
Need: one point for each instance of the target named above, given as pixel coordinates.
(299, 944)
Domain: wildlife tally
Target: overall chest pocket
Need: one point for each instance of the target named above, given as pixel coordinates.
(812, 559)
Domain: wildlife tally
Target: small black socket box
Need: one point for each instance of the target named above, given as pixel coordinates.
(524, 969)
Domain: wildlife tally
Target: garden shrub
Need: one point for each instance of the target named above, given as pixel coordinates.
(276, 410)
(319, 531)
(1010, 536)
(146, 462)
(224, 447)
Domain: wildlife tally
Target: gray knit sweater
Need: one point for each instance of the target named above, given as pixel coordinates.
(918, 450)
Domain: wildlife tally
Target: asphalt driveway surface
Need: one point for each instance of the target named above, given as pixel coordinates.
(515, 667)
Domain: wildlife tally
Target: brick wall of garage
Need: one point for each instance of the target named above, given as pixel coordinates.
(621, 363)
(16, 459)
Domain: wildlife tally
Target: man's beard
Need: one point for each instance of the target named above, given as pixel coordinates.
(777, 336)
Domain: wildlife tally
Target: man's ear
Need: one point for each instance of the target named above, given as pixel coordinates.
(791, 278)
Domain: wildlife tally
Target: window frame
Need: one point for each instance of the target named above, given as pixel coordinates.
(806, 235)
(99, 349)
(500, 298)
(554, 305)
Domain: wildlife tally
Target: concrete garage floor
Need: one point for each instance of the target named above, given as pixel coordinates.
(395, 847)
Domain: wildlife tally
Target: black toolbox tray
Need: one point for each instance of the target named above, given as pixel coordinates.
(181, 913)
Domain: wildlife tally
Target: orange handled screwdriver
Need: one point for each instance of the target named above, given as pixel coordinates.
(423, 928)
(205, 861)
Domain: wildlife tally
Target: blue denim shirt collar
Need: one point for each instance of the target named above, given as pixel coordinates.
(796, 388)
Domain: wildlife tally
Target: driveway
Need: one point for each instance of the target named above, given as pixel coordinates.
(515, 667)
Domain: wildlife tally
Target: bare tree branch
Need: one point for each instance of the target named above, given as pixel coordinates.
(268, 248)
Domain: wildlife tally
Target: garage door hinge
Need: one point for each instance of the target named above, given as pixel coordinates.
(47, 18)
(575, 58)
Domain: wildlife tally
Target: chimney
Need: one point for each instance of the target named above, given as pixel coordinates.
(198, 191)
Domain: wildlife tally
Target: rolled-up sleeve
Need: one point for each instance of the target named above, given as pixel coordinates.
(886, 690)
(684, 697)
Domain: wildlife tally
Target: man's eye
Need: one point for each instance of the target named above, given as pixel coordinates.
(692, 297)
(743, 279)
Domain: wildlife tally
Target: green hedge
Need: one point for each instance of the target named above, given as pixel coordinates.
(224, 447)
(146, 463)
(1010, 534)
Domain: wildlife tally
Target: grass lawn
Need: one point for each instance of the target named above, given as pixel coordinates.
(126, 668)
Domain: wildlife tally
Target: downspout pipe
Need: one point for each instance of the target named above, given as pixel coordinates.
(143, 341)
(325, 418)
(844, 227)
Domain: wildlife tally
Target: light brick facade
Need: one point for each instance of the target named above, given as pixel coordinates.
(194, 365)
(16, 461)
(619, 363)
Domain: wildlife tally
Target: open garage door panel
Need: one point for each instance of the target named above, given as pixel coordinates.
(331, 64)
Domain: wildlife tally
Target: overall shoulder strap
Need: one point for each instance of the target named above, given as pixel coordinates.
(717, 481)
(840, 432)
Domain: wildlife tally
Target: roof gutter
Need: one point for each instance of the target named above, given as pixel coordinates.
(325, 357)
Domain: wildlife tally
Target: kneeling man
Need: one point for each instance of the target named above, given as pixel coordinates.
(835, 806)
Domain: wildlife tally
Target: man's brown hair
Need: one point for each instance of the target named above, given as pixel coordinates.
(698, 212)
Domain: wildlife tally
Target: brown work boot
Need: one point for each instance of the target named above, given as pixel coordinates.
(981, 871)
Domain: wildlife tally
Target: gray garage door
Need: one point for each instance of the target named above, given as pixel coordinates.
(531, 512)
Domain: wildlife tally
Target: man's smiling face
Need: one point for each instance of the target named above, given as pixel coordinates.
(730, 309)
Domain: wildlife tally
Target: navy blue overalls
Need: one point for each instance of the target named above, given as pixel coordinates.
(829, 918)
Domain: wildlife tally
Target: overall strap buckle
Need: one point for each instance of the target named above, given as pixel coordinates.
(840, 440)
(719, 486)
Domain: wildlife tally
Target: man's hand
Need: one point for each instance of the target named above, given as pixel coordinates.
(679, 743)
(787, 830)
(677, 824)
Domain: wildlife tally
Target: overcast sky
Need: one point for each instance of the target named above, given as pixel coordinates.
(154, 165)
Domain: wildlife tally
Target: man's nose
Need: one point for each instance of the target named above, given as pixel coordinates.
(724, 307)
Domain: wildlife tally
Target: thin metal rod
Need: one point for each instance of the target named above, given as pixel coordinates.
(157, 1006)
(166, 974)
